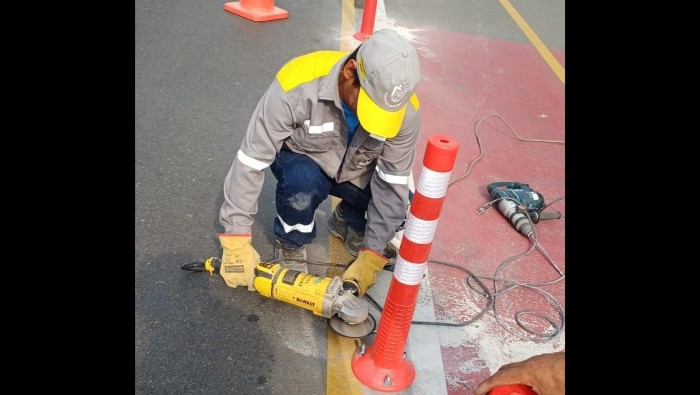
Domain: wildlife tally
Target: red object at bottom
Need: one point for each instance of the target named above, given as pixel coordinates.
(512, 389)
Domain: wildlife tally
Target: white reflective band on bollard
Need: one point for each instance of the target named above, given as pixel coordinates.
(419, 231)
(409, 273)
(433, 184)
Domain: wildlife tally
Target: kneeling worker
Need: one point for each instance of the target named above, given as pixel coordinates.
(331, 123)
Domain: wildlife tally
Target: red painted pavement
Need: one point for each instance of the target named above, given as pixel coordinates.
(466, 78)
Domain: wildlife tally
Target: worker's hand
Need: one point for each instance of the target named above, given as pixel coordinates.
(362, 273)
(239, 260)
(543, 372)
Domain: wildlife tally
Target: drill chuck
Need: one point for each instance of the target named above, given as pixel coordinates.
(519, 219)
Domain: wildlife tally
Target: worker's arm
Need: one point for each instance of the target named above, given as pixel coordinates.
(543, 372)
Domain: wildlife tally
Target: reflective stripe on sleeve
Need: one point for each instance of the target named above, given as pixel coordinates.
(251, 162)
(318, 129)
(390, 178)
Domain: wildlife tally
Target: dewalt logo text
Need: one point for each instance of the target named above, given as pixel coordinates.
(306, 302)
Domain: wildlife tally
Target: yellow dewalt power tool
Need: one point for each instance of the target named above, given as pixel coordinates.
(324, 296)
(347, 314)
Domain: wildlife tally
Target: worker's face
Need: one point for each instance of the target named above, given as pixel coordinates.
(349, 92)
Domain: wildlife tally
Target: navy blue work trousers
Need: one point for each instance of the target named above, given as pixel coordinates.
(301, 187)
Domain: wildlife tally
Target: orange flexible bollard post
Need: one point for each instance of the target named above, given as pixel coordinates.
(383, 366)
(368, 16)
(256, 10)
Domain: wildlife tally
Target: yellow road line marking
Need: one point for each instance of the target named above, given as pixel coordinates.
(339, 377)
(347, 24)
(340, 380)
(539, 45)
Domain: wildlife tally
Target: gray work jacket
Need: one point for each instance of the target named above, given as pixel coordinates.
(301, 109)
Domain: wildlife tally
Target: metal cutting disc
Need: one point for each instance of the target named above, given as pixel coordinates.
(362, 329)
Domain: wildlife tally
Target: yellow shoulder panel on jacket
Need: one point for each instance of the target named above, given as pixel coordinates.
(415, 102)
(307, 67)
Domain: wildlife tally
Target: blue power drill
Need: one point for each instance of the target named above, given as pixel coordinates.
(518, 200)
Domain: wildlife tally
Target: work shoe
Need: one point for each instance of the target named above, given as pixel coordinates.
(291, 258)
(339, 228)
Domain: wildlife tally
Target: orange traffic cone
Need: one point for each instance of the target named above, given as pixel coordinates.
(256, 10)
